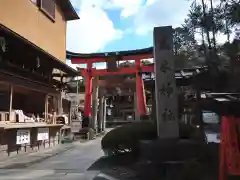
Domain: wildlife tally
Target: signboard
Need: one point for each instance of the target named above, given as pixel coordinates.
(210, 118)
(165, 84)
(43, 134)
(23, 136)
(76, 126)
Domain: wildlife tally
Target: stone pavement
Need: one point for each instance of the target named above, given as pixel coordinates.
(27, 159)
(70, 161)
(75, 161)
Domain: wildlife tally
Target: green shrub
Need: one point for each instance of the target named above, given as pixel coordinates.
(126, 137)
(185, 131)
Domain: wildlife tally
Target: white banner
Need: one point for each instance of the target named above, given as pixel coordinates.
(23, 136)
(43, 134)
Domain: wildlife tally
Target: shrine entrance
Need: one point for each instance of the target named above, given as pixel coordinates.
(110, 79)
(164, 73)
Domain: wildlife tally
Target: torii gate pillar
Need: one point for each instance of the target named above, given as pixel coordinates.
(140, 90)
(88, 91)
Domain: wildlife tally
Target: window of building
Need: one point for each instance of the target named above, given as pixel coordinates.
(48, 7)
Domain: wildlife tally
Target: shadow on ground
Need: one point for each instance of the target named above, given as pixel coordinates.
(124, 167)
(115, 168)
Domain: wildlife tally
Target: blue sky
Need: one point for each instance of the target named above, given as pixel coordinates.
(114, 25)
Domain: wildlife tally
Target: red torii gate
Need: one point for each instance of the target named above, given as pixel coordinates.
(89, 73)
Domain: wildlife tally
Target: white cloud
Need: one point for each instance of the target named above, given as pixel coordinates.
(93, 31)
(160, 13)
(128, 7)
(220, 38)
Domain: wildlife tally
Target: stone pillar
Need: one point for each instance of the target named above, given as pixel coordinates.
(94, 119)
(165, 84)
(104, 114)
(101, 113)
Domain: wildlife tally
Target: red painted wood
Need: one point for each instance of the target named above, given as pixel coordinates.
(141, 99)
(105, 59)
(88, 96)
(88, 89)
(89, 73)
(222, 159)
(229, 148)
(85, 61)
(121, 71)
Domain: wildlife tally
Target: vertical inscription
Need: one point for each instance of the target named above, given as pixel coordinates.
(165, 84)
(165, 67)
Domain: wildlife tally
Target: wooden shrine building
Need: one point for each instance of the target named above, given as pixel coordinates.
(33, 72)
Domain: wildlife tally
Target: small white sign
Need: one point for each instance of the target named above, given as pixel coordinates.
(43, 134)
(210, 117)
(76, 126)
(23, 136)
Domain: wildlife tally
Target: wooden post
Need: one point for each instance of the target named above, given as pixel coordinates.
(165, 84)
(10, 102)
(60, 107)
(46, 107)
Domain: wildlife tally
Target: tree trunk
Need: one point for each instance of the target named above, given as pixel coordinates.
(207, 28)
(213, 28)
(203, 43)
(226, 24)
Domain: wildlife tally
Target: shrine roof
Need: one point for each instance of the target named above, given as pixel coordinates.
(143, 51)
